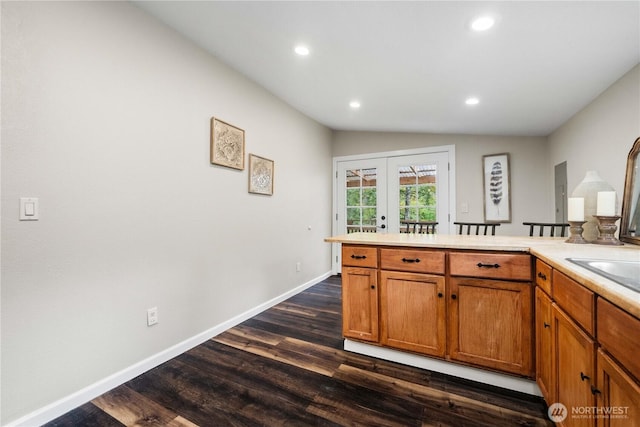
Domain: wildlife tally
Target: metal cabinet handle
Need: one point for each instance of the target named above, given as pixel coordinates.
(358, 256)
(440, 295)
(583, 376)
(454, 296)
(546, 325)
(373, 287)
(410, 260)
(594, 390)
(542, 276)
(481, 265)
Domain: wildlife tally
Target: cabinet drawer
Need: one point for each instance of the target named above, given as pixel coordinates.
(543, 276)
(576, 300)
(617, 333)
(490, 265)
(359, 256)
(419, 261)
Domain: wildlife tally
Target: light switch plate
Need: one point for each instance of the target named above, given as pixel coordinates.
(29, 209)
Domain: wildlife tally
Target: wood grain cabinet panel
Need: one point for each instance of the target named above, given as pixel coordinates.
(543, 276)
(359, 256)
(491, 265)
(574, 369)
(418, 261)
(412, 312)
(576, 300)
(544, 340)
(360, 303)
(490, 324)
(619, 334)
(617, 396)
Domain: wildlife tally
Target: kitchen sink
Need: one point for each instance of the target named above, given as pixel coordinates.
(626, 273)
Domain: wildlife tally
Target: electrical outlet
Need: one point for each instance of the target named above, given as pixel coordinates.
(298, 266)
(152, 316)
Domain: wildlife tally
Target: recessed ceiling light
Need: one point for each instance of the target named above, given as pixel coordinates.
(354, 104)
(472, 100)
(482, 23)
(301, 50)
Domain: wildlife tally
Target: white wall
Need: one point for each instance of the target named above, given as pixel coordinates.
(530, 200)
(601, 135)
(105, 118)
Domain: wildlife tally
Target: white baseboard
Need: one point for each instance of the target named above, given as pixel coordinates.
(462, 371)
(66, 404)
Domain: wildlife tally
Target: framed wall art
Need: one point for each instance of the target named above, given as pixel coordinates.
(260, 175)
(497, 187)
(227, 144)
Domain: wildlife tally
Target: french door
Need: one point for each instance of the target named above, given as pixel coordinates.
(362, 196)
(418, 191)
(383, 193)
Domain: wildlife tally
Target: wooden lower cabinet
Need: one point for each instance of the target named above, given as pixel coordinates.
(490, 324)
(544, 340)
(618, 395)
(574, 368)
(413, 312)
(360, 303)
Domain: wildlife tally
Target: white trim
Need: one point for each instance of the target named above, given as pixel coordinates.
(461, 371)
(423, 150)
(80, 397)
(450, 149)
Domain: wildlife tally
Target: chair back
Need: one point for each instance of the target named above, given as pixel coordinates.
(466, 227)
(550, 227)
(420, 227)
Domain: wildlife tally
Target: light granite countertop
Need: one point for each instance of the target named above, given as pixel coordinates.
(552, 250)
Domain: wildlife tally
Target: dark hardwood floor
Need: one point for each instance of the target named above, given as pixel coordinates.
(286, 367)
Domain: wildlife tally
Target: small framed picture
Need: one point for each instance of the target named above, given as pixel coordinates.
(227, 145)
(497, 188)
(260, 175)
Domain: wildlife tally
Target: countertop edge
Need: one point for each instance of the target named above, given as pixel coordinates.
(552, 251)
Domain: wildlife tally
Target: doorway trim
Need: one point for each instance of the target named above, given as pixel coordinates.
(451, 153)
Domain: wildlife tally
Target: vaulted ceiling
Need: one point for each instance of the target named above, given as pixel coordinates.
(412, 65)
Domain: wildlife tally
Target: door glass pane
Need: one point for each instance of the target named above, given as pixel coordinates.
(417, 195)
(361, 200)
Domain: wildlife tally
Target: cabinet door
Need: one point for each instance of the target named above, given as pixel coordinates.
(574, 369)
(490, 324)
(544, 354)
(619, 396)
(360, 303)
(412, 312)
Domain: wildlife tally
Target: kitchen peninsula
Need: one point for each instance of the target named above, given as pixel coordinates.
(510, 311)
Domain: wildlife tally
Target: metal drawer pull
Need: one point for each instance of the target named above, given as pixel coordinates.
(546, 325)
(488, 265)
(358, 256)
(542, 276)
(410, 260)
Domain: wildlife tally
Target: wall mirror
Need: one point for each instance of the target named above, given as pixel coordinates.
(630, 223)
